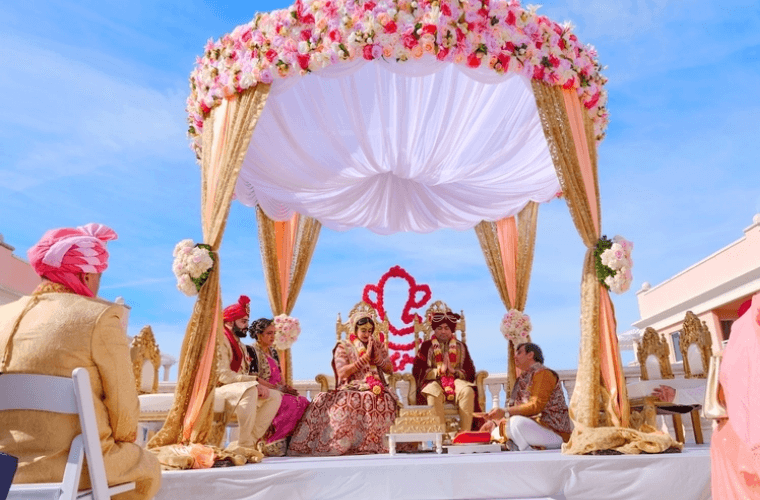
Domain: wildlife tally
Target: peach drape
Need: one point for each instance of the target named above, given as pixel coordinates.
(508, 248)
(570, 138)
(226, 137)
(574, 154)
(286, 251)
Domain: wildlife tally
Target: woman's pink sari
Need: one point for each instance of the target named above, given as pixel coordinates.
(291, 408)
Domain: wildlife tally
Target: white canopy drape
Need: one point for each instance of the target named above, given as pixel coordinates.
(398, 147)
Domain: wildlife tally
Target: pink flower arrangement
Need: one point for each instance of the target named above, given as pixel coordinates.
(374, 384)
(313, 34)
(286, 331)
(618, 259)
(447, 382)
(515, 326)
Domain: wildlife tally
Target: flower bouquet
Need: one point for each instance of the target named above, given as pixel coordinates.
(192, 264)
(373, 384)
(286, 331)
(447, 382)
(614, 263)
(515, 326)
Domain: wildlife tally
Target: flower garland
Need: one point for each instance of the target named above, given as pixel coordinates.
(413, 301)
(192, 264)
(516, 326)
(447, 381)
(371, 380)
(314, 34)
(286, 331)
(614, 263)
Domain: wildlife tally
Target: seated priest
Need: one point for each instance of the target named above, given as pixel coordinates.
(444, 371)
(536, 413)
(61, 326)
(254, 404)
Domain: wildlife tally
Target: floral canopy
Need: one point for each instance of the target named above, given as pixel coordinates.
(399, 116)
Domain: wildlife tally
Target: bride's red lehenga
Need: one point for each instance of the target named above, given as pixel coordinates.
(349, 420)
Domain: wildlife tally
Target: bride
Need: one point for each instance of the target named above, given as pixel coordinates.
(354, 418)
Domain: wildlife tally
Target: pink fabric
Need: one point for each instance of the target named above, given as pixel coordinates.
(575, 116)
(202, 376)
(291, 408)
(735, 448)
(62, 255)
(610, 362)
(506, 229)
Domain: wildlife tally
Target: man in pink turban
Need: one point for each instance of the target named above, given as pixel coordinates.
(63, 326)
(73, 257)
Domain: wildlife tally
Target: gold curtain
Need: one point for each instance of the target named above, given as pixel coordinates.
(599, 361)
(488, 236)
(226, 136)
(283, 287)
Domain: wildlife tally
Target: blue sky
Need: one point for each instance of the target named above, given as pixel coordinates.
(92, 129)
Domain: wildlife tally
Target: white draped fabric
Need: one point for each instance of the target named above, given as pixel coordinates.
(398, 147)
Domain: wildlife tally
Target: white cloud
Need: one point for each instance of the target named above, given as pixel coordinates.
(74, 119)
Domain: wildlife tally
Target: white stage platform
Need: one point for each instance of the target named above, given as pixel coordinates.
(506, 475)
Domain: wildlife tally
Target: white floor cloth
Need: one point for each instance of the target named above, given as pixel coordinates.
(507, 475)
(398, 147)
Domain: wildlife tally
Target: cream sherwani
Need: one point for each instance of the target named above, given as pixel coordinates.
(240, 394)
(61, 332)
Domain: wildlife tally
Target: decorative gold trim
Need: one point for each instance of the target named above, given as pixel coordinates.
(653, 343)
(343, 329)
(324, 383)
(695, 332)
(144, 348)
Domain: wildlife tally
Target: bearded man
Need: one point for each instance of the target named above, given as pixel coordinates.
(254, 405)
(444, 371)
(62, 326)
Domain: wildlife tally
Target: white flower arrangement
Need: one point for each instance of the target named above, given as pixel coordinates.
(286, 331)
(515, 326)
(192, 263)
(618, 259)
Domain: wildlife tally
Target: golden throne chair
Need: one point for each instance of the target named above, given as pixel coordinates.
(695, 344)
(423, 331)
(653, 355)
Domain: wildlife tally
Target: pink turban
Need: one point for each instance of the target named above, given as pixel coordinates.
(63, 254)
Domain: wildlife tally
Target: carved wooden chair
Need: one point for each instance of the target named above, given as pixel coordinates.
(422, 332)
(653, 355)
(695, 343)
(154, 407)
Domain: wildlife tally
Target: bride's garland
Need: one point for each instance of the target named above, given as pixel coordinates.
(372, 380)
(447, 381)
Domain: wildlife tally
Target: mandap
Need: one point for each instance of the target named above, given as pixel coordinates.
(402, 115)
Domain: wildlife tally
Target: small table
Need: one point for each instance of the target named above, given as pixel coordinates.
(437, 437)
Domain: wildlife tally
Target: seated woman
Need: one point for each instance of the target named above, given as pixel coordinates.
(354, 418)
(266, 364)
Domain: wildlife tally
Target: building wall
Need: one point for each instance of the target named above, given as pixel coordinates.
(17, 278)
(713, 289)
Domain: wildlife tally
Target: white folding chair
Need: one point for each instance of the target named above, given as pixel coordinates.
(62, 395)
